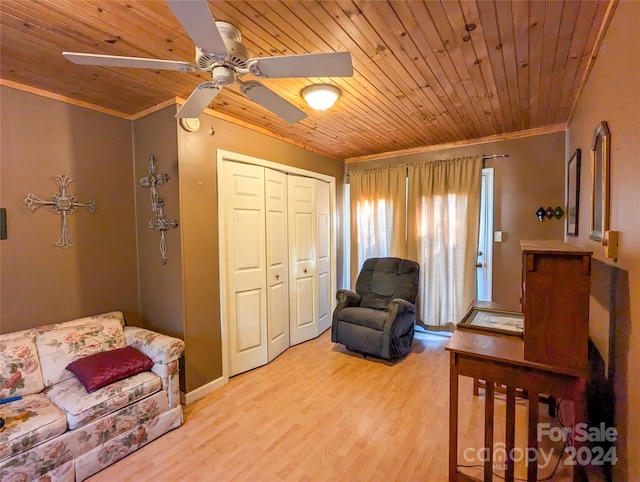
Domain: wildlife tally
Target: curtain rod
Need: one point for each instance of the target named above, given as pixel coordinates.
(484, 158)
(494, 156)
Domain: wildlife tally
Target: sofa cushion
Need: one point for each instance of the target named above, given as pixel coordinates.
(101, 369)
(29, 422)
(59, 347)
(19, 368)
(81, 407)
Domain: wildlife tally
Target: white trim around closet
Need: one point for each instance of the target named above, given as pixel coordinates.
(223, 155)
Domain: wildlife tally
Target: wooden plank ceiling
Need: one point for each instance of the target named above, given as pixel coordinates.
(426, 72)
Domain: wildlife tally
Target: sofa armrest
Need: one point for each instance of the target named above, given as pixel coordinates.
(164, 351)
(160, 348)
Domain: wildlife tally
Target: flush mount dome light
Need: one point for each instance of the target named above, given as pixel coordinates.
(320, 96)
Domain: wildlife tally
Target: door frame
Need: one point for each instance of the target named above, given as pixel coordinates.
(222, 156)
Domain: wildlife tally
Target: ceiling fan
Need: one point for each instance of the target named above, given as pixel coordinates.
(220, 52)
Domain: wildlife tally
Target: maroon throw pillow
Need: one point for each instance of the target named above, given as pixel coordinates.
(101, 369)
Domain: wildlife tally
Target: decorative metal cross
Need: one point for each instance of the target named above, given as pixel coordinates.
(161, 223)
(62, 203)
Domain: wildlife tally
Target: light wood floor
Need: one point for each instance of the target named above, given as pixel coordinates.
(318, 412)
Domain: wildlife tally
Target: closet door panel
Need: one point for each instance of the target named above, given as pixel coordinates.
(242, 191)
(277, 262)
(248, 307)
(302, 267)
(323, 251)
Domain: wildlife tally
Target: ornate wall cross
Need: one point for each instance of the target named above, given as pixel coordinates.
(61, 203)
(161, 223)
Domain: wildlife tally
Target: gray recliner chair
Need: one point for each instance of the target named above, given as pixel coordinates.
(379, 318)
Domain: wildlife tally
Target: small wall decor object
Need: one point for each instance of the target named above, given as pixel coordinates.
(573, 192)
(600, 181)
(61, 203)
(160, 223)
(549, 212)
(558, 212)
(541, 213)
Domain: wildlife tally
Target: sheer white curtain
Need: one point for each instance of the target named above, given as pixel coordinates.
(378, 214)
(443, 221)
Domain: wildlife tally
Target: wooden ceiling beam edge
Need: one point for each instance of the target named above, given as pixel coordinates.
(481, 140)
(604, 26)
(63, 98)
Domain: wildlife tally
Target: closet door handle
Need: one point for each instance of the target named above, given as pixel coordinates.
(277, 276)
(305, 271)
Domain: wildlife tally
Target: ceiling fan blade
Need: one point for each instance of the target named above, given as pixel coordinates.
(137, 62)
(335, 64)
(198, 101)
(272, 101)
(196, 18)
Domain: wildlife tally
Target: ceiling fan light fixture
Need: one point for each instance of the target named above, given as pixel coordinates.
(320, 96)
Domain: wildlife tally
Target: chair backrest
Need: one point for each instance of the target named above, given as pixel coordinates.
(382, 279)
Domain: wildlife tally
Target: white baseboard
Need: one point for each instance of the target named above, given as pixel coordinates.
(192, 396)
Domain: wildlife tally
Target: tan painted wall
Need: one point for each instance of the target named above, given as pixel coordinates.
(612, 93)
(532, 176)
(41, 283)
(161, 299)
(194, 283)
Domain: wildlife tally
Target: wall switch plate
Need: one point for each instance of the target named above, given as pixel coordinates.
(610, 243)
(3, 223)
(497, 236)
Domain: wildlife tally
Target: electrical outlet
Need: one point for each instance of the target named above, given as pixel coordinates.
(497, 236)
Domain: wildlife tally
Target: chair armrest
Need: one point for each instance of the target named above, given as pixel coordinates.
(348, 298)
(402, 314)
(160, 348)
(400, 306)
(345, 299)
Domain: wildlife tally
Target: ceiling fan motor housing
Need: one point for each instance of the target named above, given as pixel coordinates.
(236, 55)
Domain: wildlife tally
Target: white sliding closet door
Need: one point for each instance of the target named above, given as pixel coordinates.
(303, 290)
(323, 255)
(277, 262)
(242, 192)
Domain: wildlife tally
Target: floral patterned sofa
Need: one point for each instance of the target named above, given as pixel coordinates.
(57, 431)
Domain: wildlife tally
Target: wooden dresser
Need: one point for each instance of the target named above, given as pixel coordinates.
(556, 279)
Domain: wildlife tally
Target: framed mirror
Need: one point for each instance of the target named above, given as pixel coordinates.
(600, 181)
(573, 193)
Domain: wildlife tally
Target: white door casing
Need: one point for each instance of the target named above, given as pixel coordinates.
(277, 262)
